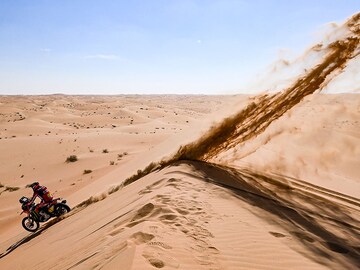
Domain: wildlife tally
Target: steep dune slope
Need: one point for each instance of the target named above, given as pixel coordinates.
(173, 219)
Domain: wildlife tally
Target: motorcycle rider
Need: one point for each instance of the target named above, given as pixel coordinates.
(41, 192)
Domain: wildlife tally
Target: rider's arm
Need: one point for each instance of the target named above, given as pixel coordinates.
(33, 198)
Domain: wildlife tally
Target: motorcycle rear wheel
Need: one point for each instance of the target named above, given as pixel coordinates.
(30, 224)
(61, 209)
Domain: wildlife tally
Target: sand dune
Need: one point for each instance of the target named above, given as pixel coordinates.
(38, 133)
(220, 223)
(192, 182)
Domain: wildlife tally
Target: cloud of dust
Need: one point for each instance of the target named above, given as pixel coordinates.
(283, 72)
(307, 75)
(260, 113)
(347, 81)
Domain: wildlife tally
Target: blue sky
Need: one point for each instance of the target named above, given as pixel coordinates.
(152, 47)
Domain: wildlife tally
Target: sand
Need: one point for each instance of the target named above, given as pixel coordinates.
(38, 133)
(192, 182)
(189, 215)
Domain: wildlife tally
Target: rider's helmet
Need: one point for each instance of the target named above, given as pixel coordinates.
(34, 185)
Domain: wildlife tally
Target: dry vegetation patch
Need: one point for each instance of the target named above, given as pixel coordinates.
(71, 158)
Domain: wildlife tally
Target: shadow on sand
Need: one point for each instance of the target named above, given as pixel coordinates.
(328, 229)
(31, 236)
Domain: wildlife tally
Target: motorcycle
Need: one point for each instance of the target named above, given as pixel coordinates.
(56, 208)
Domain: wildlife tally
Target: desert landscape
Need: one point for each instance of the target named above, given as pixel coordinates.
(267, 181)
(103, 132)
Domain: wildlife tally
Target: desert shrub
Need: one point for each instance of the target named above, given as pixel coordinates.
(11, 189)
(112, 162)
(1, 185)
(140, 173)
(87, 171)
(105, 151)
(91, 200)
(114, 189)
(71, 158)
(121, 155)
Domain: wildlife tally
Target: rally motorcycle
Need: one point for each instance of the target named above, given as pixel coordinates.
(56, 208)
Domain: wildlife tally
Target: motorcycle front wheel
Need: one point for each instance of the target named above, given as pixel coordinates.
(30, 224)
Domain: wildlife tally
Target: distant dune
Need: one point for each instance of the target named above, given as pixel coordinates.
(193, 182)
